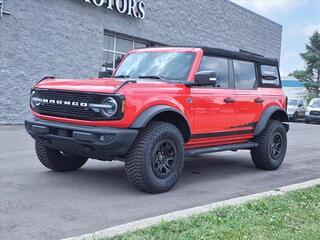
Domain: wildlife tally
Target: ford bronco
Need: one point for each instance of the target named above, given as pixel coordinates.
(160, 106)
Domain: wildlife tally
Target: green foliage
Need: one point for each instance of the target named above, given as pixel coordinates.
(311, 76)
(292, 216)
(300, 74)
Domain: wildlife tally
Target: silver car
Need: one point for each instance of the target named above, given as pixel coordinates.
(313, 111)
(296, 108)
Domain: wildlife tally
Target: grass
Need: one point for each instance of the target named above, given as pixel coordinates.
(292, 216)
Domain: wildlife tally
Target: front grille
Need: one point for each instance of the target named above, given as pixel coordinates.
(72, 111)
(316, 113)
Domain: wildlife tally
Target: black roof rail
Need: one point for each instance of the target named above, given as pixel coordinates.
(239, 55)
(251, 53)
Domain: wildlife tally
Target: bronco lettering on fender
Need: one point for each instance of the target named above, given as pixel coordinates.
(154, 114)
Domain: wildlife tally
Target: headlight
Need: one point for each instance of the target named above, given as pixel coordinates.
(34, 101)
(108, 108)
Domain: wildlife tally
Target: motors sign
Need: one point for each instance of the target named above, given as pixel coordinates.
(134, 8)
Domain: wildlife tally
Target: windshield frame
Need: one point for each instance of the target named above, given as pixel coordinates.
(186, 79)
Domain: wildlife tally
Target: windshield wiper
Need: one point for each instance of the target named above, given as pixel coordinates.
(122, 76)
(153, 77)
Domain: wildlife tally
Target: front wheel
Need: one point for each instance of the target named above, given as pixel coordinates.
(272, 146)
(155, 161)
(56, 160)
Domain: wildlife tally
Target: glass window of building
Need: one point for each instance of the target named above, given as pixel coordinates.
(114, 49)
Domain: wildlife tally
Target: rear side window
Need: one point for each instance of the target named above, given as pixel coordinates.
(218, 65)
(244, 74)
(268, 71)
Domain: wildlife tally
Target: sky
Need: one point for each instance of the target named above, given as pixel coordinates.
(299, 19)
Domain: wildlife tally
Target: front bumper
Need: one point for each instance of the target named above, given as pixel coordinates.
(93, 142)
(312, 118)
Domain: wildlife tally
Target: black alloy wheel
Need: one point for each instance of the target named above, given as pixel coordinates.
(164, 158)
(276, 146)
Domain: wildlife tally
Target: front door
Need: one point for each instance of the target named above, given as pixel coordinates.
(213, 106)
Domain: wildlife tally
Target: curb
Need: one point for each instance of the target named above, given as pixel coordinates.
(147, 222)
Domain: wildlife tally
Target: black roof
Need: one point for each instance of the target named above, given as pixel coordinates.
(239, 55)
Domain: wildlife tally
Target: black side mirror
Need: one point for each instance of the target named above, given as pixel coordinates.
(205, 78)
(269, 77)
(300, 105)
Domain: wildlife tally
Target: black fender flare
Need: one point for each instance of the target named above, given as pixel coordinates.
(266, 115)
(147, 115)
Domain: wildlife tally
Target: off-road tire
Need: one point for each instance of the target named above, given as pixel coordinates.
(139, 161)
(262, 155)
(56, 160)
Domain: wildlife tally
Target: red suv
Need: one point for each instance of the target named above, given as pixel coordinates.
(160, 106)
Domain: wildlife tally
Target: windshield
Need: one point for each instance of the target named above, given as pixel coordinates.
(156, 65)
(315, 103)
(293, 102)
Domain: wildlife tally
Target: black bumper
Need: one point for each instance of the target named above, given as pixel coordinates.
(312, 118)
(93, 142)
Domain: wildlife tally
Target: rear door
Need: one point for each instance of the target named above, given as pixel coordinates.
(303, 107)
(249, 103)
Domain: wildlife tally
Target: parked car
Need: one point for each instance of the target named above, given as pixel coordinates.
(313, 111)
(296, 108)
(161, 105)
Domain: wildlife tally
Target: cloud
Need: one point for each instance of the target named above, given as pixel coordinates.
(290, 61)
(271, 7)
(310, 29)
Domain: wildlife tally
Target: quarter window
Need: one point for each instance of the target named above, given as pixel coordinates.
(245, 74)
(270, 71)
(219, 66)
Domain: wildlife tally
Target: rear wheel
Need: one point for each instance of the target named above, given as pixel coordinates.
(154, 162)
(272, 148)
(295, 117)
(56, 160)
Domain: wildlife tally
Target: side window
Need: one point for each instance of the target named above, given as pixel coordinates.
(218, 65)
(270, 71)
(244, 74)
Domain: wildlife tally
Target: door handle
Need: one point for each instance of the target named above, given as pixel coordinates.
(259, 100)
(229, 100)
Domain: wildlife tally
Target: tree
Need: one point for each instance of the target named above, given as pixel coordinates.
(311, 76)
(300, 74)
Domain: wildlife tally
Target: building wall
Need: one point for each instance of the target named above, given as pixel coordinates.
(64, 38)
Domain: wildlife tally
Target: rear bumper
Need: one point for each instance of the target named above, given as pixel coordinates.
(312, 118)
(93, 142)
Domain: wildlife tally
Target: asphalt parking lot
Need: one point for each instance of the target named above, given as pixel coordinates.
(39, 204)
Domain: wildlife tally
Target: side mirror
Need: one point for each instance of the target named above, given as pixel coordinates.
(300, 105)
(205, 78)
(269, 77)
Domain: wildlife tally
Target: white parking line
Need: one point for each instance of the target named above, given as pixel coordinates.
(147, 222)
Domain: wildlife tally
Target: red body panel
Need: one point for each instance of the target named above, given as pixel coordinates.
(206, 112)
